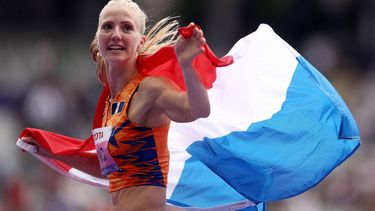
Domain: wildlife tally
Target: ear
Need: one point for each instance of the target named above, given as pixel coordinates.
(141, 42)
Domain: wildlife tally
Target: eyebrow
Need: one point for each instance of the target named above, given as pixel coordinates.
(122, 22)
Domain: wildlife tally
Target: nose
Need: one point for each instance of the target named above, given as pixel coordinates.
(116, 35)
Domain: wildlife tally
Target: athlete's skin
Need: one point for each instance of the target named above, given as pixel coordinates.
(156, 102)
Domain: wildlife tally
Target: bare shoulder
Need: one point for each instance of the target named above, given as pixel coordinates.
(156, 85)
(147, 107)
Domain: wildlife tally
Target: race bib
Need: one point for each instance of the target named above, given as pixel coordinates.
(101, 137)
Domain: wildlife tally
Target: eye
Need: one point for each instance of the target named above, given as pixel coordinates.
(107, 26)
(127, 28)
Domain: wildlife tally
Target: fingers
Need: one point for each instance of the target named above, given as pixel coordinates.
(188, 48)
(199, 39)
(38, 149)
(197, 32)
(29, 140)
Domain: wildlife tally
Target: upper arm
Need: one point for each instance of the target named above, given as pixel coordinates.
(170, 100)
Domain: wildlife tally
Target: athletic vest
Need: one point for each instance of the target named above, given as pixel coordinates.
(141, 153)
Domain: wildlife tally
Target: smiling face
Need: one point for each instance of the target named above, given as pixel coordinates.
(119, 34)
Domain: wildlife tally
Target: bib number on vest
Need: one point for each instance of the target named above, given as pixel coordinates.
(101, 137)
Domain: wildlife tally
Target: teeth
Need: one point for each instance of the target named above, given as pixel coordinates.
(116, 48)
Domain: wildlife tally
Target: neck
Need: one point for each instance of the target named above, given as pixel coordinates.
(119, 76)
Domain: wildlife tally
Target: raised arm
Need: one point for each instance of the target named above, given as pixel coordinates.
(194, 103)
(186, 51)
(158, 100)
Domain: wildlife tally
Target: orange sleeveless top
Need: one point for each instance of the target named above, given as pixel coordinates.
(141, 153)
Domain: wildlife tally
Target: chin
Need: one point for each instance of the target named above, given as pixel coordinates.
(117, 59)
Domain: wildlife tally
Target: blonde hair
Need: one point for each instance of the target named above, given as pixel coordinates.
(161, 34)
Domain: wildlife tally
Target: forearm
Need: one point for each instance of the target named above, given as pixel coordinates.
(187, 49)
(197, 94)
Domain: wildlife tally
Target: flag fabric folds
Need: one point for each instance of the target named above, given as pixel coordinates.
(276, 129)
(164, 63)
(277, 126)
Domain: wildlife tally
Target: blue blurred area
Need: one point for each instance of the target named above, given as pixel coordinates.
(47, 80)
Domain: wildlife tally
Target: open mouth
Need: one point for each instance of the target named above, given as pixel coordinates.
(116, 48)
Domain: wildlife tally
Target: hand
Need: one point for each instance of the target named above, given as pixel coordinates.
(188, 49)
(39, 150)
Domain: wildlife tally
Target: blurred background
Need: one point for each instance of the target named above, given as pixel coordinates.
(47, 80)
